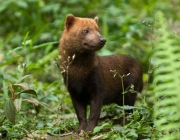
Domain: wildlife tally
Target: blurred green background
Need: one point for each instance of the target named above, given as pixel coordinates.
(30, 32)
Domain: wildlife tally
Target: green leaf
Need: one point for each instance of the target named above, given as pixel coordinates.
(10, 61)
(44, 60)
(127, 107)
(44, 44)
(22, 4)
(132, 134)
(13, 50)
(118, 128)
(99, 128)
(9, 110)
(22, 78)
(17, 103)
(40, 124)
(25, 42)
(32, 100)
(166, 79)
(24, 85)
(29, 91)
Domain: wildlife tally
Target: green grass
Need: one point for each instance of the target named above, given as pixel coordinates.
(31, 82)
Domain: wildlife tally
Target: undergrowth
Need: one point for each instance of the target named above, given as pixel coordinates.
(34, 103)
(27, 105)
(166, 81)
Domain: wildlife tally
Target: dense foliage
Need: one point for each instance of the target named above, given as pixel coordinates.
(35, 104)
(166, 80)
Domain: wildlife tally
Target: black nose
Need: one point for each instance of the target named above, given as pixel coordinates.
(102, 40)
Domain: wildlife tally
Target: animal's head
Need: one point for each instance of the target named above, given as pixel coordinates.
(83, 34)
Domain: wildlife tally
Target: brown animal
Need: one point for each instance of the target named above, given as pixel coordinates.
(87, 75)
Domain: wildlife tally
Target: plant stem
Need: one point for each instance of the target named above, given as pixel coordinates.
(124, 115)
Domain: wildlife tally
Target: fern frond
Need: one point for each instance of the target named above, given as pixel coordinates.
(166, 81)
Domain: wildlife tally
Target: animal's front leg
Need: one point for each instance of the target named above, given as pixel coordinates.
(95, 110)
(80, 109)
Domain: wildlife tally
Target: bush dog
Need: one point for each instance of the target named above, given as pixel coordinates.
(87, 75)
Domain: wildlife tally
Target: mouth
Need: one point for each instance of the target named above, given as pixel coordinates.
(93, 47)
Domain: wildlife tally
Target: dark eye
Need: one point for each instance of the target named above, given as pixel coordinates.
(86, 31)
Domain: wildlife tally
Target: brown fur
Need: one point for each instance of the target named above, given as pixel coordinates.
(88, 77)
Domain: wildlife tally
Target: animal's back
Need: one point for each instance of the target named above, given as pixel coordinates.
(121, 65)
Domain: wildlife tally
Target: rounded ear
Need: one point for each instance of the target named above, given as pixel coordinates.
(69, 21)
(96, 19)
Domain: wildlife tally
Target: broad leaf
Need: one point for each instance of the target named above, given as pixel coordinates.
(23, 85)
(9, 110)
(29, 91)
(99, 128)
(32, 100)
(22, 78)
(17, 103)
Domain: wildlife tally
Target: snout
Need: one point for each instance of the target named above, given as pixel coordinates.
(102, 40)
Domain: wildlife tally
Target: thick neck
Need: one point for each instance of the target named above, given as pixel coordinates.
(79, 59)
